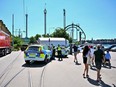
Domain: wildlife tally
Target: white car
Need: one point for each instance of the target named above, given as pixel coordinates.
(64, 50)
(37, 52)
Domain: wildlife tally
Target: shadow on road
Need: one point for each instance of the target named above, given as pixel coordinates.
(94, 82)
(113, 67)
(34, 64)
(104, 84)
(109, 67)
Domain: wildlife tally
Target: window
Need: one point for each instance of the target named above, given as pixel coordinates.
(35, 48)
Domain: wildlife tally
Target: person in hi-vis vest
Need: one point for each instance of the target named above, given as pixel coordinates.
(59, 52)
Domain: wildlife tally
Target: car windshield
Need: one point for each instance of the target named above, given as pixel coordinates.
(34, 48)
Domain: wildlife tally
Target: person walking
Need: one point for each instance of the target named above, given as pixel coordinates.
(107, 59)
(86, 60)
(99, 57)
(75, 53)
(59, 53)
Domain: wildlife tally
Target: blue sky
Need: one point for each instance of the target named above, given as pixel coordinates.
(96, 17)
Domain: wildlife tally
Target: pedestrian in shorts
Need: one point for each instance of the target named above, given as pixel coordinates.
(75, 53)
(86, 60)
(99, 57)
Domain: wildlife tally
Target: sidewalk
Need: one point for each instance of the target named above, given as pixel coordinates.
(67, 74)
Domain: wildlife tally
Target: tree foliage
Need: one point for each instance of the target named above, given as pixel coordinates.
(37, 36)
(47, 35)
(32, 40)
(17, 42)
(60, 32)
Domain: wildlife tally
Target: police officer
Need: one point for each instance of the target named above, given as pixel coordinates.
(53, 52)
(59, 52)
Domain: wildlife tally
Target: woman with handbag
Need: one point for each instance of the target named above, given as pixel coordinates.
(86, 60)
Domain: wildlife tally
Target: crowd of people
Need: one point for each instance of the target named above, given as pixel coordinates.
(93, 57)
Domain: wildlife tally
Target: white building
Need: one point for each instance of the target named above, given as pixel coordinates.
(54, 41)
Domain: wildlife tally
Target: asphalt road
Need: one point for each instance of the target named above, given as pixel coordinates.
(15, 73)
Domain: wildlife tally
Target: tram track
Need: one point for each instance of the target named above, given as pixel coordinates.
(8, 68)
(8, 82)
(30, 83)
(39, 77)
(42, 77)
(13, 72)
(16, 75)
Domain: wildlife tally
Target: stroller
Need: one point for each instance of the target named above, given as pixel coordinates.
(107, 63)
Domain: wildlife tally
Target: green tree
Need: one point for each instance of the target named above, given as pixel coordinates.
(47, 35)
(32, 40)
(37, 36)
(60, 32)
(17, 42)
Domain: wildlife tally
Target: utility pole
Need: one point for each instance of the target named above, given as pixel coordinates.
(19, 33)
(12, 29)
(45, 12)
(26, 25)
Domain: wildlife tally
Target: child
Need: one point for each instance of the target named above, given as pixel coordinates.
(107, 58)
